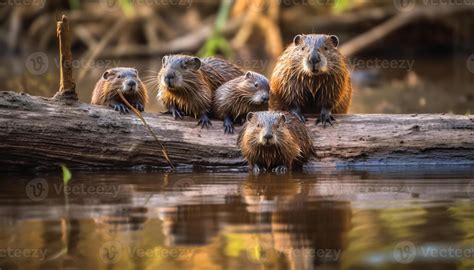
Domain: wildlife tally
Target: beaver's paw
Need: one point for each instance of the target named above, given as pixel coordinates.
(228, 126)
(204, 121)
(325, 118)
(282, 169)
(139, 107)
(257, 169)
(176, 113)
(121, 108)
(299, 115)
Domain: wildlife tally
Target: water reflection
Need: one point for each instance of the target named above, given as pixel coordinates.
(364, 219)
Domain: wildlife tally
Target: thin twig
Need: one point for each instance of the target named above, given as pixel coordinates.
(163, 148)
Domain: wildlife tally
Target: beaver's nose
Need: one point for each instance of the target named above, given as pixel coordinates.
(265, 98)
(131, 83)
(315, 59)
(170, 76)
(268, 137)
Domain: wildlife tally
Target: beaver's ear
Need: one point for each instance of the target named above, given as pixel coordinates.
(249, 117)
(194, 63)
(335, 40)
(282, 119)
(105, 75)
(163, 60)
(248, 75)
(298, 39)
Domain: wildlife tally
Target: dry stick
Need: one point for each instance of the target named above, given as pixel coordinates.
(67, 87)
(163, 148)
(93, 54)
(396, 22)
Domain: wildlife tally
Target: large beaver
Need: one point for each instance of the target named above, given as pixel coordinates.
(237, 97)
(187, 84)
(121, 79)
(274, 141)
(311, 76)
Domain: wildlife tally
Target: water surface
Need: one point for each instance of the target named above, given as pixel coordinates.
(396, 218)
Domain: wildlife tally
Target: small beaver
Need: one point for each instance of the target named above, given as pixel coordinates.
(274, 141)
(311, 76)
(237, 97)
(187, 84)
(121, 79)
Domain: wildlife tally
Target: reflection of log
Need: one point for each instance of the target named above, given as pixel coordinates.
(37, 132)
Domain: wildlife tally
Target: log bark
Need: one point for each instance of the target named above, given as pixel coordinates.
(40, 133)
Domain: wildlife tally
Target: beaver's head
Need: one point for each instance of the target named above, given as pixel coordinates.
(317, 54)
(122, 79)
(267, 129)
(179, 72)
(255, 89)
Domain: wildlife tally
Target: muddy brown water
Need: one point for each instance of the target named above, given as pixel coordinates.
(372, 218)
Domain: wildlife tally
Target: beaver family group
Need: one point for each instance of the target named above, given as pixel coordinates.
(310, 76)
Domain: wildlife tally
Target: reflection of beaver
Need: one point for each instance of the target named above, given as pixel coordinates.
(237, 97)
(311, 76)
(272, 140)
(187, 84)
(121, 79)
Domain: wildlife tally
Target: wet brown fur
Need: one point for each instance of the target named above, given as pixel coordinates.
(235, 97)
(196, 97)
(292, 86)
(106, 91)
(292, 144)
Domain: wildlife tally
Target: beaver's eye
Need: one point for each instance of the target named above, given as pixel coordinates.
(325, 48)
(119, 76)
(256, 85)
(259, 125)
(302, 48)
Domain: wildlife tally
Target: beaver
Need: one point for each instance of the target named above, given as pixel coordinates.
(187, 84)
(121, 79)
(274, 141)
(237, 97)
(311, 76)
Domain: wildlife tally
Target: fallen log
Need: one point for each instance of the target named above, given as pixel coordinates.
(40, 133)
